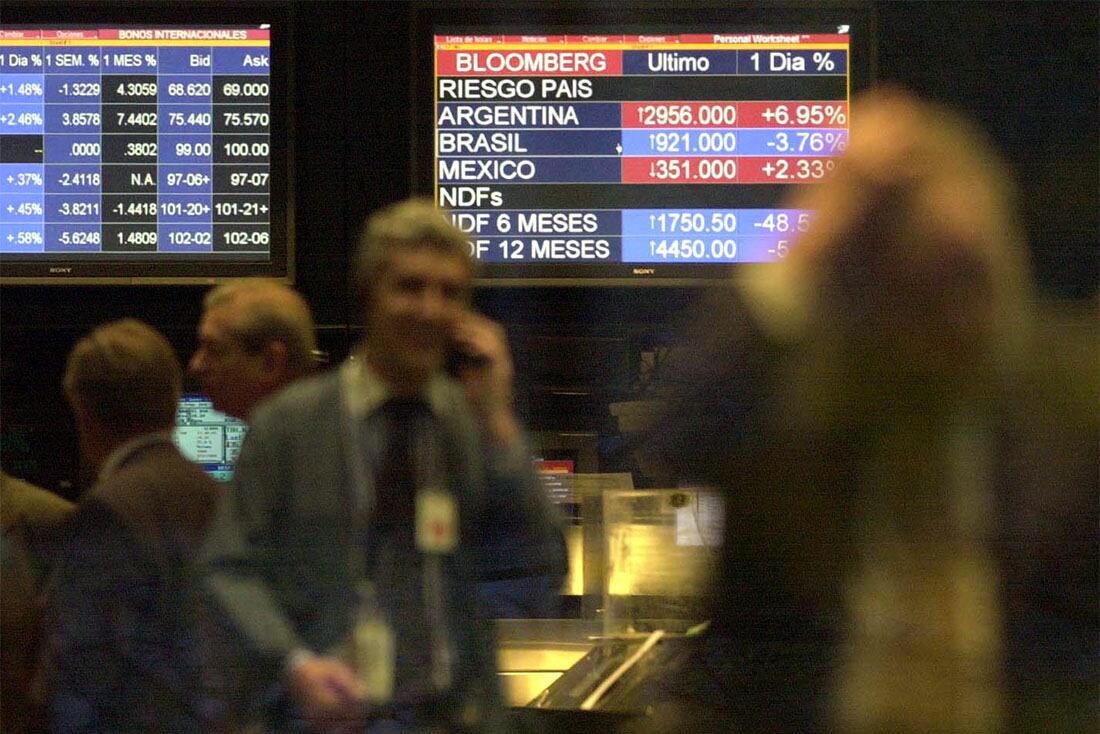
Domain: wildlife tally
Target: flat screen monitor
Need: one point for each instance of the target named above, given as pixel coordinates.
(209, 438)
(144, 150)
(640, 153)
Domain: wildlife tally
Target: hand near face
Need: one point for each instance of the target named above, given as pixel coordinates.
(486, 372)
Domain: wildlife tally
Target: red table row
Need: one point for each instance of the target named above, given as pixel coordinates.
(726, 170)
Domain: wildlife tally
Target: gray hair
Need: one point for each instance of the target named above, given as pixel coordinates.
(268, 311)
(413, 223)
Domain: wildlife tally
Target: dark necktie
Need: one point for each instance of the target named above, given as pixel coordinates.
(397, 566)
(395, 477)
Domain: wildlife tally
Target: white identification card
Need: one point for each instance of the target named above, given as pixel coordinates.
(436, 521)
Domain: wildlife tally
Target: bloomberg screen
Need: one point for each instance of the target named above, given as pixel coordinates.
(136, 143)
(635, 156)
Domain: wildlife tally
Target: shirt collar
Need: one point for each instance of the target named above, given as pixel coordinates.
(123, 453)
(365, 392)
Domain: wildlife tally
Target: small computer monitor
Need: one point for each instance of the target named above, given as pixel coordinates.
(209, 438)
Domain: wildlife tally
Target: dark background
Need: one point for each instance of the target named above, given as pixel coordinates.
(1026, 71)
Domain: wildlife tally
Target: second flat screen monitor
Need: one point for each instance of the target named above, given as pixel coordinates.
(639, 157)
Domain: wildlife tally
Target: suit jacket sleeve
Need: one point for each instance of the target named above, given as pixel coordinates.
(98, 600)
(241, 557)
(524, 530)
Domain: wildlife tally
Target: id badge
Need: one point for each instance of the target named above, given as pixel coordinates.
(436, 521)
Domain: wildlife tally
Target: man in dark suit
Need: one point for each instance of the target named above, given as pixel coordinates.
(31, 522)
(255, 337)
(122, 649)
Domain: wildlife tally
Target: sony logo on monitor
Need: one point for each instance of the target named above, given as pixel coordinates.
(60, 271)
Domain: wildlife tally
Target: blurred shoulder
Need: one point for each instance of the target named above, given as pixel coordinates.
(160, 488)
(318, 394)
(22, 502)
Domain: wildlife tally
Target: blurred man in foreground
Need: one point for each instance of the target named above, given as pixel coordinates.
(122, 648)
(851, 400)
(348, 553)
(255, 337)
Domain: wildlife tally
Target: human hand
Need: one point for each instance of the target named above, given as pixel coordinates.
(328, 692)
(487, 373)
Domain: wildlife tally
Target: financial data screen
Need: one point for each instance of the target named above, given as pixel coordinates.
(207, 437)
(122, 143)
(638, 151)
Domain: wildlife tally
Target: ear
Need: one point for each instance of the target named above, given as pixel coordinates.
(93, 441)
(275, 363)
(85, 423)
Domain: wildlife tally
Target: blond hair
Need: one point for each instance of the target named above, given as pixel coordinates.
(918, 173)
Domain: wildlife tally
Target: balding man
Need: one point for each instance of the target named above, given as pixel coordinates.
(256, 336)
(122, 650)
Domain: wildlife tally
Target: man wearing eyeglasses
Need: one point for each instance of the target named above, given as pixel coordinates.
(256, 336)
